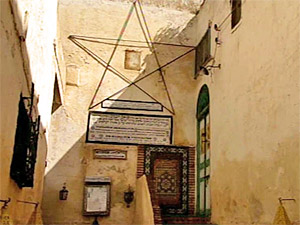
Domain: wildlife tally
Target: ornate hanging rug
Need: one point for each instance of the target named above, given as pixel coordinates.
(167, 170)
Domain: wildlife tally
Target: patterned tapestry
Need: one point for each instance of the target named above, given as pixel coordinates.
(167, 170)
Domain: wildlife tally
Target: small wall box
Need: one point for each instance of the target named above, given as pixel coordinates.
(97, 196)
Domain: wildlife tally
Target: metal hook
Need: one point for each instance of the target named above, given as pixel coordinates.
(216, 27)
(5, 202)
(285, 199)
(32, 203)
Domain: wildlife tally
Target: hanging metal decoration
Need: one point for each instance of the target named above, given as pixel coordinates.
(148, 43)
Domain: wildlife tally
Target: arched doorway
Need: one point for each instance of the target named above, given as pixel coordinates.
(203, 206)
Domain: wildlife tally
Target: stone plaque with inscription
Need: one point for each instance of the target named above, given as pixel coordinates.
(109, 154)
(131, 105)
(125, 128)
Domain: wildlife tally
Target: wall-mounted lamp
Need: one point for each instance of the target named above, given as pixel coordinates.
(128, 196)
(63, 193)
(207, 68)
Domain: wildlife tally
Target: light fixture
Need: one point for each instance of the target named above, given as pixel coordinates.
(206, 69)
(63, 193)
(128, 196)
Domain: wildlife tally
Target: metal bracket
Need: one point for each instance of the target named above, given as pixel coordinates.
(34, 124)
(285, 199)
(30, 99)
(27, 202)
(5, 202)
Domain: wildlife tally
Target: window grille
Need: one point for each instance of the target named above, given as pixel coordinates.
(25, 148)
(236, 7)
(203, 50)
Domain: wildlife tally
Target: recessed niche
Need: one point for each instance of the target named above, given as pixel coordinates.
(73, 75)
(132, 60)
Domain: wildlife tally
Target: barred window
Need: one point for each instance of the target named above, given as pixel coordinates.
(236, 8)
(203, 54)
(25, 148)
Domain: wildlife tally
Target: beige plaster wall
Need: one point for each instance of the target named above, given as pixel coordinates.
(254, 105)
(69, 158)
(22, 63)
(123, 174)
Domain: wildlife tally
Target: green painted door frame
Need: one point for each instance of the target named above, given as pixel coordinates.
(203, 160)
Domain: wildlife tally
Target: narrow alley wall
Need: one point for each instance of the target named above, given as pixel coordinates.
(254, 110)
(28, 31)
(70, 159)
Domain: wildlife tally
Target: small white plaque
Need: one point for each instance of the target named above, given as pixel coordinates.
(131, 105)
(109, 154)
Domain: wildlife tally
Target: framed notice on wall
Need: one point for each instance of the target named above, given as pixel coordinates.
(125, 128)
(96, 196)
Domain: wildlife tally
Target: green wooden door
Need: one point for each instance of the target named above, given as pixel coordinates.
(203, 207)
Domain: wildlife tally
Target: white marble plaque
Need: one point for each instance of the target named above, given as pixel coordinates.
(106, 127)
